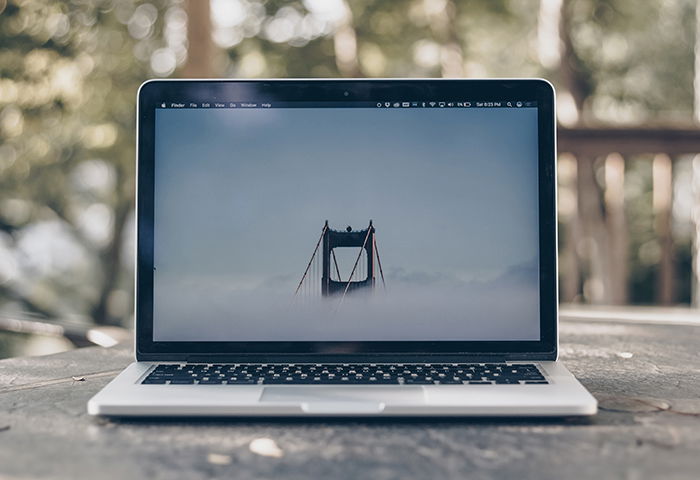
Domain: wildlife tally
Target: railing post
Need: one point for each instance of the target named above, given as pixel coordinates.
(596, 288)
(695, 292)
(618, 247)
(570, 231)
(662, 188)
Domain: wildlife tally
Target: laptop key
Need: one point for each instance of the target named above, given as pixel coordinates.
(450, 381)
(181, 381)
(211, 381)
(418, 381)
(241, 381)
(507, 381)
(344, 374)
(154, 381)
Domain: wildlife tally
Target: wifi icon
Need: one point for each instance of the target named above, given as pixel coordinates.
(432, 104)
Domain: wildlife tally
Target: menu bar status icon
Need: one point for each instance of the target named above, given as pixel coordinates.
(462, 104)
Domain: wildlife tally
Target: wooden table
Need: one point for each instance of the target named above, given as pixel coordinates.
(646, 377)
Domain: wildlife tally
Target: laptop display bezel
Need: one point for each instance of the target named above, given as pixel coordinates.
(156, 92)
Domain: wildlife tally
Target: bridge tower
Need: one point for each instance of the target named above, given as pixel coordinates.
(362, 239)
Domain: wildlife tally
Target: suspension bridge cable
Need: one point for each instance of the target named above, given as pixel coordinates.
(347, 285)
(376, 252)
(336, 265)
(313, 255)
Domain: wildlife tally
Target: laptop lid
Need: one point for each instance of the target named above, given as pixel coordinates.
(325, 220)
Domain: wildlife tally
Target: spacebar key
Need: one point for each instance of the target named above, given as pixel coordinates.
(241, 381)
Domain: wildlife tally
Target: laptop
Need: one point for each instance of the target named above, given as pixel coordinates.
(346, 248)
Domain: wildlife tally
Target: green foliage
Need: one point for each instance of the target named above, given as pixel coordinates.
(639, 57)
(69, 71)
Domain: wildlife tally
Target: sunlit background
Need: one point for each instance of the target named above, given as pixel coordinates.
(628, 104)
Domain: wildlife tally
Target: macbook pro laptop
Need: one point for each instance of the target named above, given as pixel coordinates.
(346, 247)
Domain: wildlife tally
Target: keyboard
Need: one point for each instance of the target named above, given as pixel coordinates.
(346, 374)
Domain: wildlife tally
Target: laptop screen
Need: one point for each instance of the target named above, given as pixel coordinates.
(346, 221)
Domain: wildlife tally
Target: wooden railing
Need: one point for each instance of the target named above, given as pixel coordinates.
(596, 221)
(595, 142)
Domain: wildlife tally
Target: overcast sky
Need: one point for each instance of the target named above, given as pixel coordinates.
(245, 192)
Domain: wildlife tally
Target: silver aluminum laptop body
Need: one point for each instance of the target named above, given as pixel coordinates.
(201, 303)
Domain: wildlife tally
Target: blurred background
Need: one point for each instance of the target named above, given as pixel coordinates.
(628, 83)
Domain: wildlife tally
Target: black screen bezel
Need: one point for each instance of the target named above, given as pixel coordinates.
(154, 92)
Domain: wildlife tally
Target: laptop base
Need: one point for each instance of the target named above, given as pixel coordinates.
(125, 396)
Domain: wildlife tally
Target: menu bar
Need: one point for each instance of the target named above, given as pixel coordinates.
(383, 105)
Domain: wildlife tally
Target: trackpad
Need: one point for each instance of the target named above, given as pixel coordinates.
(345, 398)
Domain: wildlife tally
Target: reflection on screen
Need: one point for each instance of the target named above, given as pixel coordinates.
(346, 224)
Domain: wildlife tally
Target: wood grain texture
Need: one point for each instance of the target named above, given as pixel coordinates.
(645, 377)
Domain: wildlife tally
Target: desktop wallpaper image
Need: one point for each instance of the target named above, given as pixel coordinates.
(451, 194)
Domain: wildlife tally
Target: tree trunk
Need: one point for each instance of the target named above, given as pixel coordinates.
(111, 255)
(548, 35)
(442, 24)
(200, 48)
(577, 82)
(345, 46)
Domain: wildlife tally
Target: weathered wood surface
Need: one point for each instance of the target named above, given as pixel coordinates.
(646, 377)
